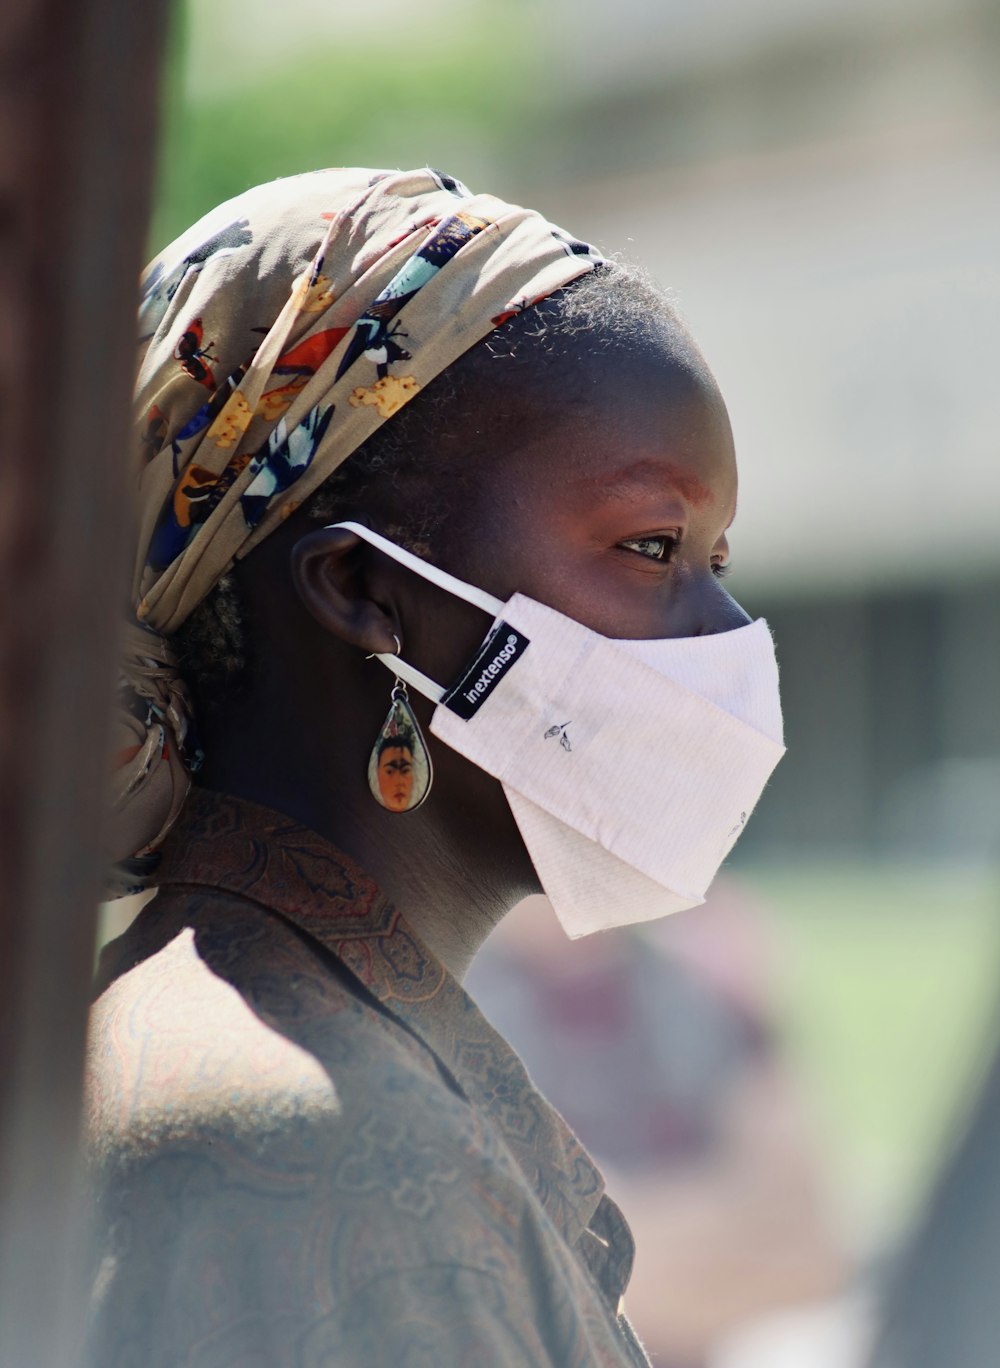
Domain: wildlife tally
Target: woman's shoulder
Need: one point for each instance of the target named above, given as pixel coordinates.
(216, 1020)
(269, 1143)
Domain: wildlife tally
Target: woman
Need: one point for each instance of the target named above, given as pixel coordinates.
(376, 411)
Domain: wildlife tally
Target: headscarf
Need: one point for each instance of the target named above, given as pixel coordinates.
(277, 335)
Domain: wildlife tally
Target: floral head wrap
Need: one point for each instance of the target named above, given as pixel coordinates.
(278, 333)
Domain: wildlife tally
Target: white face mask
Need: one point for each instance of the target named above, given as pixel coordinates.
(630, 766)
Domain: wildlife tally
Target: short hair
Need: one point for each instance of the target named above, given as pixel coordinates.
(403, 740)
(400, 467)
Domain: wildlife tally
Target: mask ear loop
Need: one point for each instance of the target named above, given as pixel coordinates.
(409, 674)
(479, 598)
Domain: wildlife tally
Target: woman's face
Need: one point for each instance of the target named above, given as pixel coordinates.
(395, 777)
(603, 487)
(612, 506)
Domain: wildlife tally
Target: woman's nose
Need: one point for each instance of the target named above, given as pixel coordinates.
(713, 610)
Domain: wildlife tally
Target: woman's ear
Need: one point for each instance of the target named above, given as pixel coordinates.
(329, 574)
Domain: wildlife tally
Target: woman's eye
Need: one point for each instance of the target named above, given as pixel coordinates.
(655, 548)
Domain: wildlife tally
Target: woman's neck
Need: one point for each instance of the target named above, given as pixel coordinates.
(419, 861)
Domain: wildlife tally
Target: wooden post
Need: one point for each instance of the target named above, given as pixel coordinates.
(78, 108)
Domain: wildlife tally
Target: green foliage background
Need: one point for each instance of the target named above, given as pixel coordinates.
(464, 93)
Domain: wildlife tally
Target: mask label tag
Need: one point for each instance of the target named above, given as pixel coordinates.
(499, 652)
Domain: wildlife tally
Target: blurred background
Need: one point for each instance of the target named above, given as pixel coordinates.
(816, 182)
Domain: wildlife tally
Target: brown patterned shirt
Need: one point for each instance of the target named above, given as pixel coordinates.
(309, 1146)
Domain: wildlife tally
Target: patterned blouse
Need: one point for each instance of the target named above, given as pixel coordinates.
(310, 1148)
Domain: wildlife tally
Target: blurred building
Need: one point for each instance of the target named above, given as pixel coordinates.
(819, 183)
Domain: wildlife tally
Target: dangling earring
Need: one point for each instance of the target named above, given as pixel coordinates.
(399, 767)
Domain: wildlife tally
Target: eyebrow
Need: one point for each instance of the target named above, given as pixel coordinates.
(640, 477)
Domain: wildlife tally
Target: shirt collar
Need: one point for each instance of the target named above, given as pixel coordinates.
(242, 848)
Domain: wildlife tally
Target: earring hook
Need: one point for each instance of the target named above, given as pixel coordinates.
(398, 651)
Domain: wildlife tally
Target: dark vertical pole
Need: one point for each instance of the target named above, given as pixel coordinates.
(78, 108)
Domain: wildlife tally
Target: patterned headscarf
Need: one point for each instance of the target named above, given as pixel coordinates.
(277, 335)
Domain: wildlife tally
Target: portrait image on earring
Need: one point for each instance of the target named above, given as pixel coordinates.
(399, 767)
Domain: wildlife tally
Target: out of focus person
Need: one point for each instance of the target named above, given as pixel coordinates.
(658, 1046)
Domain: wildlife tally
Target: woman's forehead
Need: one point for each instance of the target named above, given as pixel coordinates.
(642, 423)
(637, 478)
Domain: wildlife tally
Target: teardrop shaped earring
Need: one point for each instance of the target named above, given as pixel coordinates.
(399, 767)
